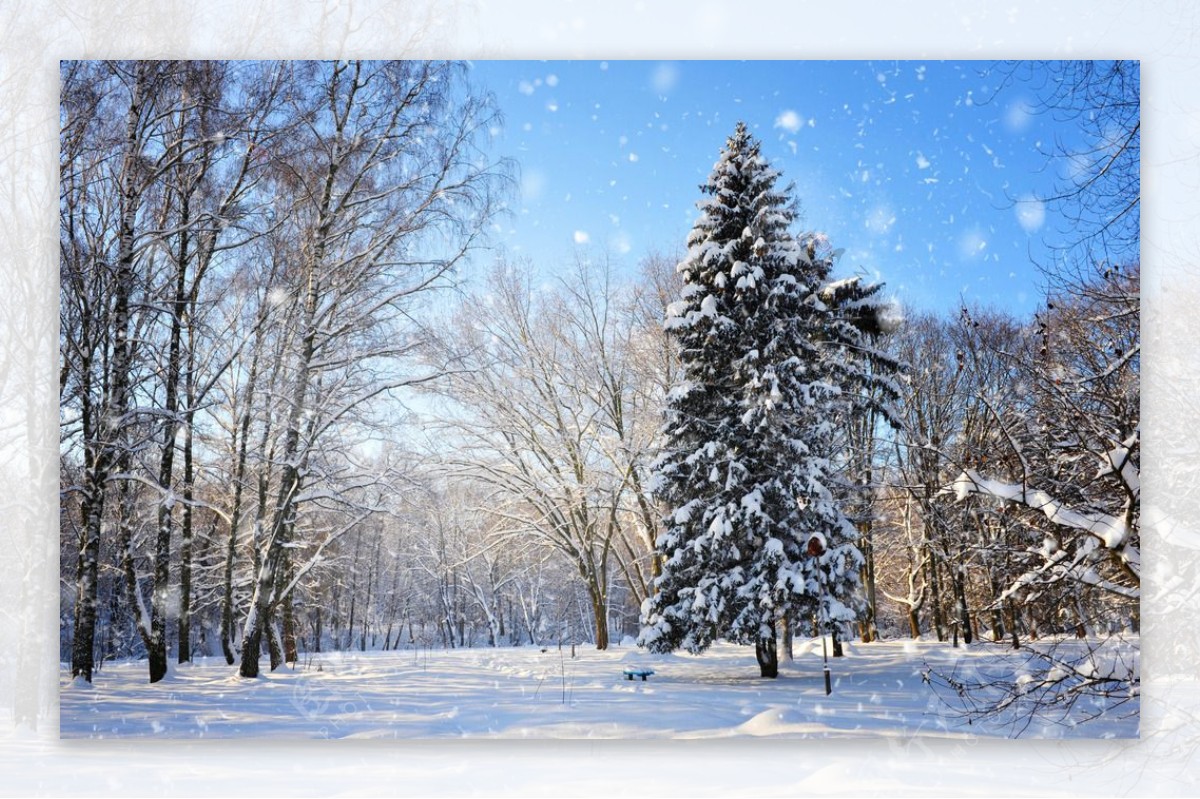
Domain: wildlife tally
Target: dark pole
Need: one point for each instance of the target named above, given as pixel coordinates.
(816, 548)
(825, 611)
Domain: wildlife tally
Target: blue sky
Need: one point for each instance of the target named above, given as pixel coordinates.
(916, 169)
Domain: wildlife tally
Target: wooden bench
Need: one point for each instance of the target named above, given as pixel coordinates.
(643, 673)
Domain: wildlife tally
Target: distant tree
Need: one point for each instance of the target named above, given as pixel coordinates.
(902, 555)
(550, 411)
(771, 356)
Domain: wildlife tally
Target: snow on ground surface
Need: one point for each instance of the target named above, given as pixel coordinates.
(879, 692)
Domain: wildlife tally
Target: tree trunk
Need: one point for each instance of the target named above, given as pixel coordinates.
(1012, 624)
(459, 620)
(166, 467)
(157, 656)
(350, 623)
(284, 609)
(601, 627)
(252, 626)
(365, 626)
(159, 610)
(767, 656)
(600, 615)
(185, 587)
(498, 610)
(92, 514)
(274, 644)
(252, 638)
(1080, 625)
(87, 582)
(114, 420)
(997, 619)
(960, 601)
(283, 520)
(227, 596)
(185, 534)
(241, 443)
(935, 588)
(156, 647)
(291, 653)
(83, 643)
(866, 544)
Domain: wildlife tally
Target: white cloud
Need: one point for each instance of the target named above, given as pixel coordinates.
(525, 87)
(581, 237)
(922, 161)
(790, 121)
(633, 157)
(551, 80)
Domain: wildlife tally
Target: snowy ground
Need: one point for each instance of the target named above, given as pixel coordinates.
(879, 692)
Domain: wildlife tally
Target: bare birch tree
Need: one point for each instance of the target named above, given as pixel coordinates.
(389, 195)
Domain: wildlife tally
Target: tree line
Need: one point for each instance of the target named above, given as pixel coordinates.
(242, 248)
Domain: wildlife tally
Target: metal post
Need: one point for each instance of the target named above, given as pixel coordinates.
(816, 549)
(825, 612)
(828, 684)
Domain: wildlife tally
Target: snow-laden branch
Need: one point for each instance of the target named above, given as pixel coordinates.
(1060, 564)
(1118, 461)
(1113, 532)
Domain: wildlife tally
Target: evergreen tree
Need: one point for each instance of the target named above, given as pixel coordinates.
(771, 363)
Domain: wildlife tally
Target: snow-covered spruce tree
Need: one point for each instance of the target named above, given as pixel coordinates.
(772, 357)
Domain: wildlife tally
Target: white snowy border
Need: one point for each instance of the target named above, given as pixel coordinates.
(33, 36)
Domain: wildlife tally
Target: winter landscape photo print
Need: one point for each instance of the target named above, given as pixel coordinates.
(626, 399)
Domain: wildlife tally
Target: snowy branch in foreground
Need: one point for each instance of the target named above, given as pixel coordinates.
(1113, 532)
(1065, 683)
